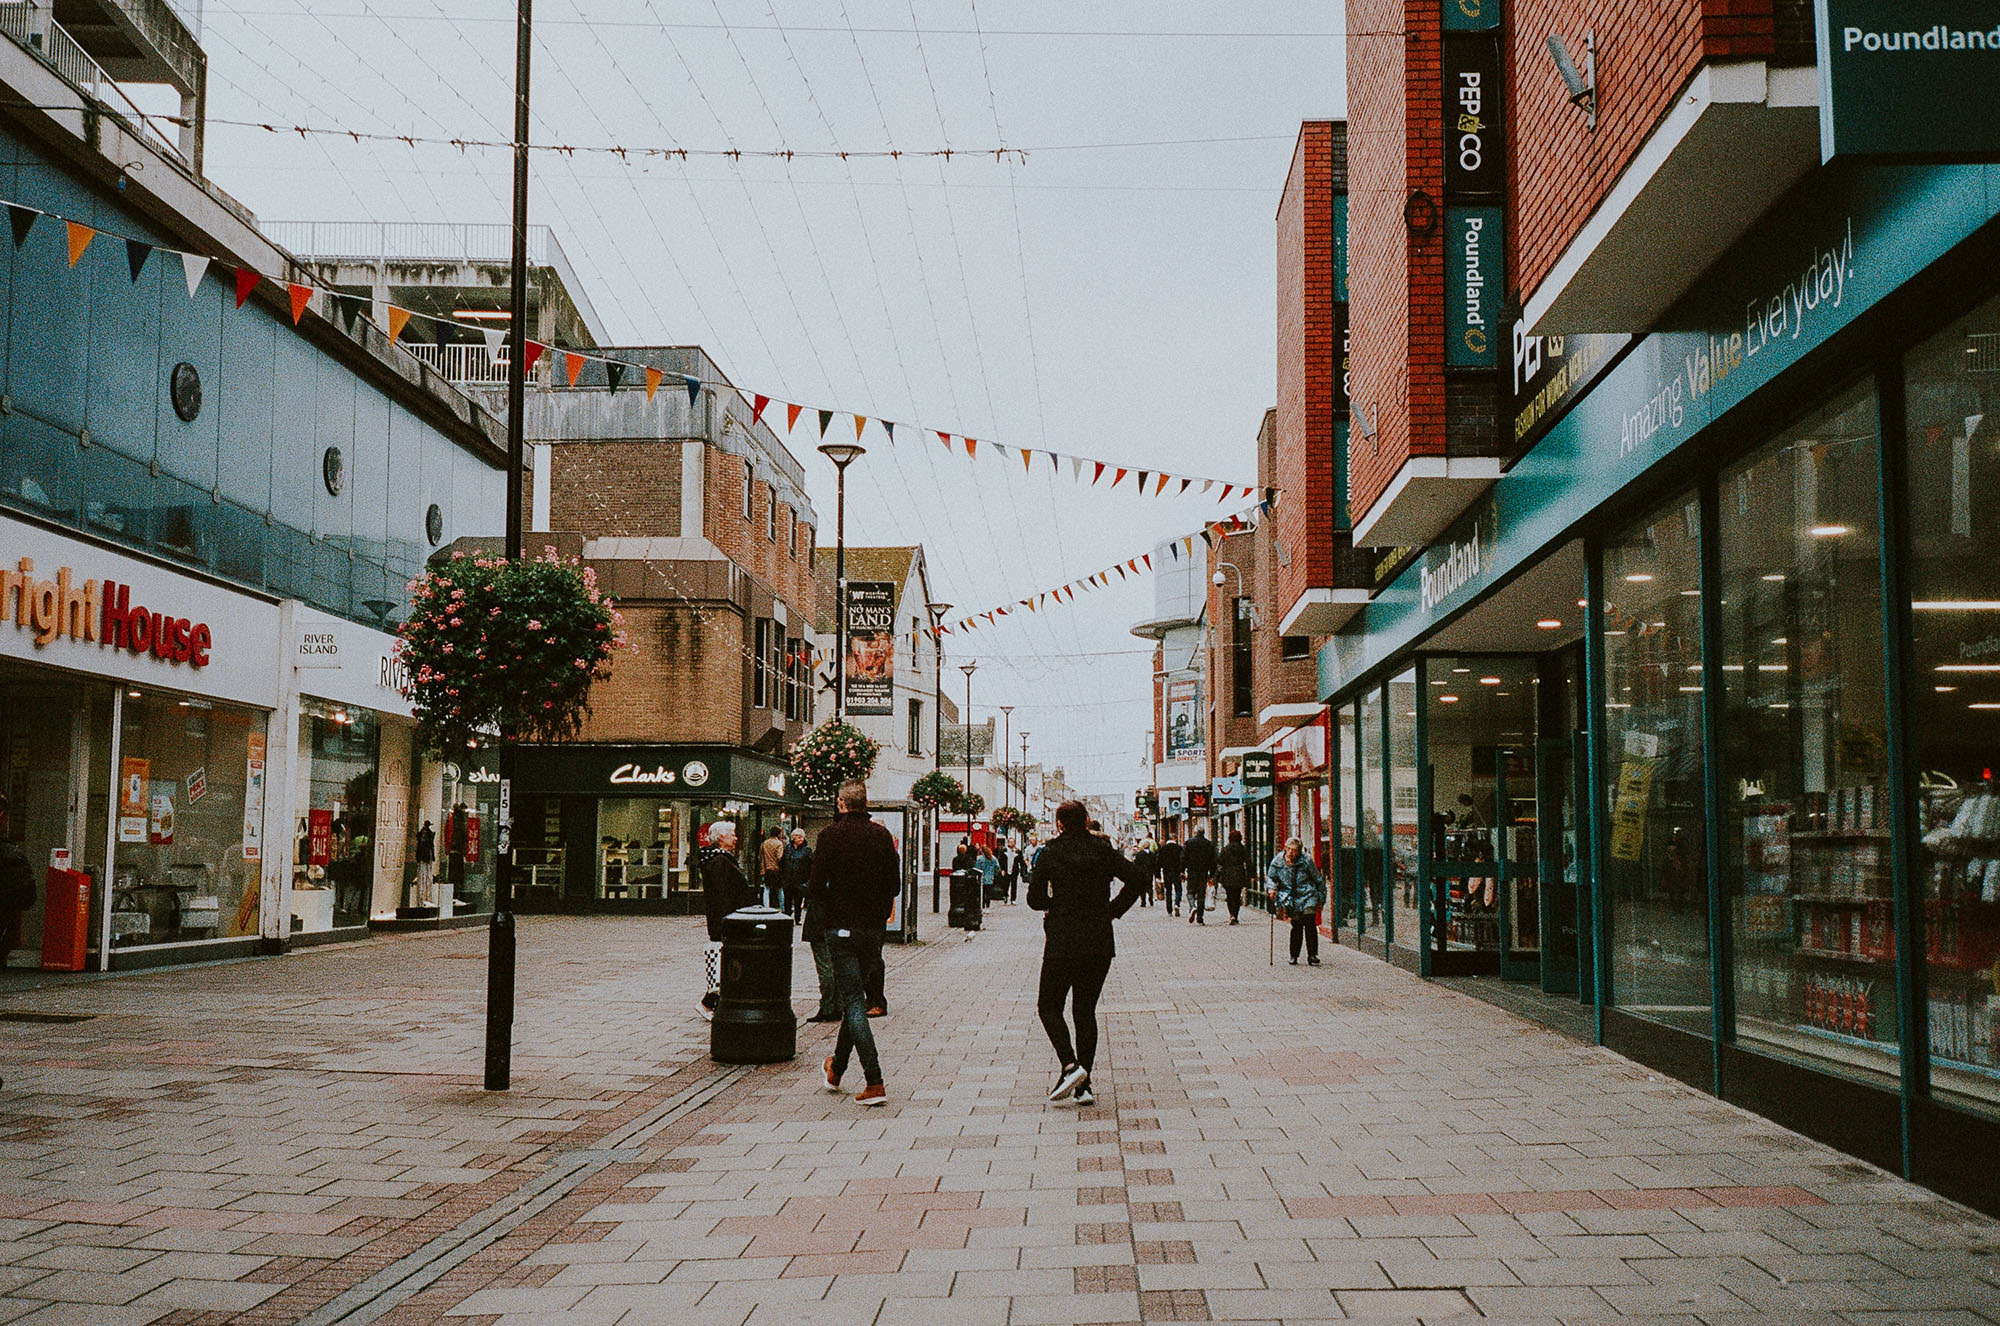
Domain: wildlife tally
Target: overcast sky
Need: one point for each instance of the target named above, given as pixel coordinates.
(1111, 295)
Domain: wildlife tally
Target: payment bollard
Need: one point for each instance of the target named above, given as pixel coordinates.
(964, 913)
(753, 1014)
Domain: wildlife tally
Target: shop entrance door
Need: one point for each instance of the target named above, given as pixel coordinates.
(1486, 840)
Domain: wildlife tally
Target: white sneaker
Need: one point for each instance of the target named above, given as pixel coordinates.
(1085, 1097)
(1073, 1077)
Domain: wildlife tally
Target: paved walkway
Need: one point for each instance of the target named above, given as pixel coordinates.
(304, 1140)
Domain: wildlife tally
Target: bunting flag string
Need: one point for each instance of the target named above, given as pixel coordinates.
(298, 292)
(1178, 548)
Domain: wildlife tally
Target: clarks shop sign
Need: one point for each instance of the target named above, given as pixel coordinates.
(1909, 80)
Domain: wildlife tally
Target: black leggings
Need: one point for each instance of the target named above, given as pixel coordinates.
(1079, 978)
(1303, 929)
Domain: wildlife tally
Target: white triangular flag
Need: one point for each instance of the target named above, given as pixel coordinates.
(193, 265)
(1207, 485)
(1076, 467)
(496, 341)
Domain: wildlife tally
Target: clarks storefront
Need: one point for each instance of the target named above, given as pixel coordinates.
(1696, 717)
(617, 828)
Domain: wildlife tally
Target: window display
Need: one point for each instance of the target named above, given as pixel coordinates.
(1655, 853)
(333, 868)
(1805, 810)
(1952, 440)
(471, 802)
(1372, 835)
(1403, 883)
(187, 856)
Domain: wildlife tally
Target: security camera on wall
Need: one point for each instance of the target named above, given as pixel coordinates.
(1218, 579)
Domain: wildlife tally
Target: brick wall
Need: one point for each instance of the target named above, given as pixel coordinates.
(623, 489)
(1308, 359)
(1395, 277)
(1647, 51)
(682, 681)
(787, 574)
(1225, 727)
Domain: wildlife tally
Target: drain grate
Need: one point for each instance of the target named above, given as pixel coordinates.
(28, 1015)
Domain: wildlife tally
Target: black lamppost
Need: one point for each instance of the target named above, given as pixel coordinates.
(842, 454)
(1006, 744)
(937, 612)
(500, 943)
(968, 669)
(1024, 774)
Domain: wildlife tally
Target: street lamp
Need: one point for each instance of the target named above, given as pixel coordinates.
(1024, 774)
(937, 612)
(968, 669)
(842, 454)
(1006, 744)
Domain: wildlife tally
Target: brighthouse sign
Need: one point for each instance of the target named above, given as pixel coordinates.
(1909, 80)
(1474, 278)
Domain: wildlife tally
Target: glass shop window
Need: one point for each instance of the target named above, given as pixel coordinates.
(1805, 799)
(1656, 868)
(1953, 460)
(190, 805)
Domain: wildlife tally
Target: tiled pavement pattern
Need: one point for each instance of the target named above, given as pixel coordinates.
(275, 1142)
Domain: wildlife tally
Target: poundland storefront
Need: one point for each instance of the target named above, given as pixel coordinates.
(1696, 717)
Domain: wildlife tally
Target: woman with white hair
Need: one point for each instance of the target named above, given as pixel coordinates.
(723, 890)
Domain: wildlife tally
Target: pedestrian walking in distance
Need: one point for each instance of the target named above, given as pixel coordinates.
(1170, 874)
(797, 870)
(1147, 861)
(1233, 869)
(723, 890)
(1071, 882)
(771, 867)
(856, 876)
(1198, 859)
(1297, 891)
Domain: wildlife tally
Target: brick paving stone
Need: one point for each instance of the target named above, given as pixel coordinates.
(1269, 1144)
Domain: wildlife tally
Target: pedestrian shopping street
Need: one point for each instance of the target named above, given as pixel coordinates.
(303, 1139)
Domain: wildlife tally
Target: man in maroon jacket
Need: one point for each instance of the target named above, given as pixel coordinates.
(855, 879)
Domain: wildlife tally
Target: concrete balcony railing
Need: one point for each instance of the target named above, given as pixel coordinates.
(471, 365)
(419, 241)
(34, 30)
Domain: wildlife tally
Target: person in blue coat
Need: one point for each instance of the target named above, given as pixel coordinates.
(1297, 891)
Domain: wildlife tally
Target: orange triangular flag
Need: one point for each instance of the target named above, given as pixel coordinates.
(572, 365)
(1160, 487)
(1115, 478)
(399, 318)
(860, 422)
(80, 236)
(1027, 459)
(946, 439)
(654, 377)
(792, 416)
(971, 446)
(302, 295)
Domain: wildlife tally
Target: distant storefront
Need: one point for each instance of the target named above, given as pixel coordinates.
(617, 827)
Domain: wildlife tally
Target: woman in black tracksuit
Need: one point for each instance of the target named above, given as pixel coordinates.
(1071, 881)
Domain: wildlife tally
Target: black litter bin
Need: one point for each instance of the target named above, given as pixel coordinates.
(753, 1015)
(965, 908)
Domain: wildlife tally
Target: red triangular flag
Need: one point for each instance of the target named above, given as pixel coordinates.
(301, 296)
(572, 365)
(792, 416)
(531, 353)
(946, 439)
(757, 404)
(654, 377)
(1148, 559)
(246, 281)
(1114, 481)
(1098, 474)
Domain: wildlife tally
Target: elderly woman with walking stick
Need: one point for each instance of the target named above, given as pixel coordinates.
(1296, 888)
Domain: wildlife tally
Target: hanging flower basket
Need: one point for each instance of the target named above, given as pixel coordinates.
(971, 803)
(937, 790)
(1008, 817)
(828, 756)
(507, 647)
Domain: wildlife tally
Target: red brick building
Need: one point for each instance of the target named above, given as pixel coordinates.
(695, 518)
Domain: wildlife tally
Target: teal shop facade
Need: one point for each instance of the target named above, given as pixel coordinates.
(1695, 717)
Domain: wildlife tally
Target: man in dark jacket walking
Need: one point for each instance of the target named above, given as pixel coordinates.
(723, 890)
(796, 871)
(1170, 874)
(1233, 870)
(856, 876)
(1198, 859)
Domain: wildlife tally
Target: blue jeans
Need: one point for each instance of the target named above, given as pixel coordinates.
(855, 953)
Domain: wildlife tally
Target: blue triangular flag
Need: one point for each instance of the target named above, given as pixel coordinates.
(694, 390)
(136, 253)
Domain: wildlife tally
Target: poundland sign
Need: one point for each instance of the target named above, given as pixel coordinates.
(1473, 282)
(1909, 80)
